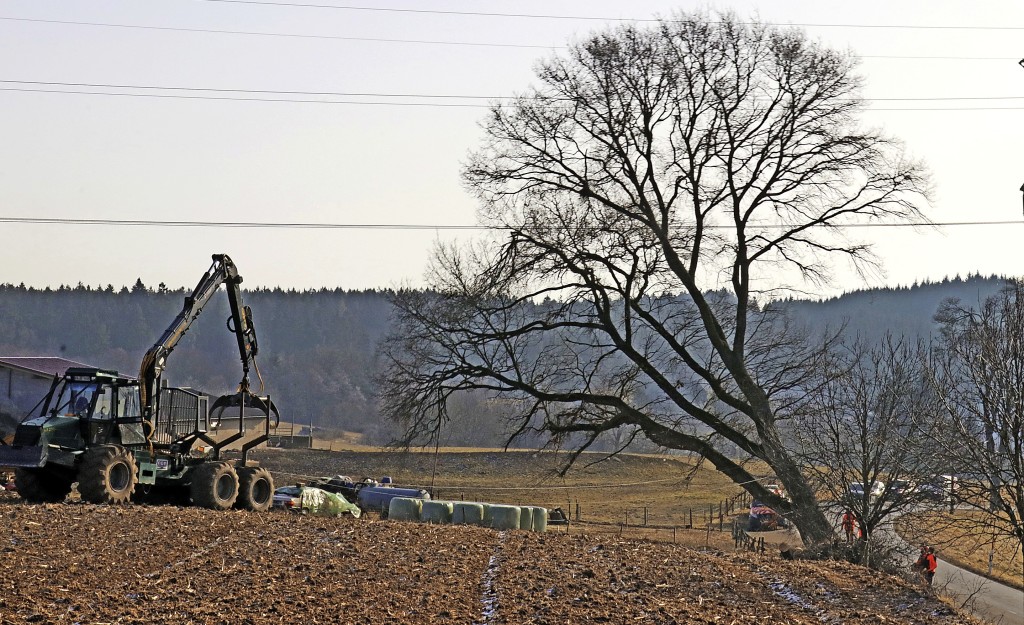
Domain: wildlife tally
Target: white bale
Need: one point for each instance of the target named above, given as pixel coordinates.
(540, 519)
(439, 512)
(405, 509)
(526, 518)
(504, 517)
(467, 513)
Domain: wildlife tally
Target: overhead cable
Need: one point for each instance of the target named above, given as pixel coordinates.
(310, 5)
(438, 42)
(400, 226)
(253, 98)
(364, 94)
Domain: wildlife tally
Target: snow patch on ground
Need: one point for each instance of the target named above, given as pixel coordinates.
(489, 596)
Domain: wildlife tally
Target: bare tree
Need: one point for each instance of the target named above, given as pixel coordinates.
(979, 375)
(870, 422)
(642, 196)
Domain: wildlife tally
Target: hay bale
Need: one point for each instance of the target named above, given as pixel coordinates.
(437, 512)
(405, 509)
(540, 519)
(526, 518)
(467, 513)
(505, 517)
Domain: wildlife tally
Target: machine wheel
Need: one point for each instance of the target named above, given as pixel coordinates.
(255, 489)
(42, 485)
(108, 474)
(214, 486)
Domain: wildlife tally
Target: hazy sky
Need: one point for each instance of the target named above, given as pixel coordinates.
(206, 156)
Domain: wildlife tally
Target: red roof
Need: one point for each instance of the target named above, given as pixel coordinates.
(48, 366)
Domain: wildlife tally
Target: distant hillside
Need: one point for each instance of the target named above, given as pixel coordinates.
(318, 348)
(906, 311)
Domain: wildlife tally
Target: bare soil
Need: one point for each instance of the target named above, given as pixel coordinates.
(80, 563)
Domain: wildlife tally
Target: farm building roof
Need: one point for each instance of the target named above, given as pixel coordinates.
(48, 366)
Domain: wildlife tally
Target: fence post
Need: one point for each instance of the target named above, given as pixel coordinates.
(691, 518)
(645, 516)
(721, 527)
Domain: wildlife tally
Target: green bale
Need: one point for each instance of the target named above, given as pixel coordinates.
(505, 517)
(486, 519)
(437, 512)
(405, 509)
(467, 513)
(526, 518)
(540, 519)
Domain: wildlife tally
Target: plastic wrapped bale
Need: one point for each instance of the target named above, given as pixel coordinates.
(540, 519)
(467, 513)
(318, 502)
(504, 517)
(526, 518)
(405, 509)
(438, 512)
(486, 520)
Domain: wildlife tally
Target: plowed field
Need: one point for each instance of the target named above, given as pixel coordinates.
(79, 563)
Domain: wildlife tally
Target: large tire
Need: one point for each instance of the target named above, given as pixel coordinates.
(255, 489)
(108, 474)
(42, 485)
(214, 486)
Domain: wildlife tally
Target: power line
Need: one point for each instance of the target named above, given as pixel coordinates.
(427, 41)
(402, 95)
(593, 17)
(195, 93)
(385, 226)
(179, 96)
(275, 34)
(255, 224)
(353, 94)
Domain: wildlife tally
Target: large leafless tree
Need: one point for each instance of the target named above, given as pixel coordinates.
(979, 375)
(642, 195)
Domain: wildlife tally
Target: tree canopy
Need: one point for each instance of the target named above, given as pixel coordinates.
(643, 194)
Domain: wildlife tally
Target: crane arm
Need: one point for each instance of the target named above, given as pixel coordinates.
(222, 271)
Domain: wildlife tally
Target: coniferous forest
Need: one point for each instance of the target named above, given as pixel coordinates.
(319, 348)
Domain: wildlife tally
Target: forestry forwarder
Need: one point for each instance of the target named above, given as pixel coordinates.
(122, 438)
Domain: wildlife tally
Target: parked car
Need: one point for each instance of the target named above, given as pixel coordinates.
(288, 498)
(902, 488)
(764, 519)
(856, 490)
(940, 488)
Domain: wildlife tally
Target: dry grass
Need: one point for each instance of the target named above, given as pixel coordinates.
(956, 541)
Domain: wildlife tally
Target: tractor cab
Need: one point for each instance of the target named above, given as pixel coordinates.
(84, 407)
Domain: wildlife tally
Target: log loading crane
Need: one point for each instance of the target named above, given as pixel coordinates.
(123, 438)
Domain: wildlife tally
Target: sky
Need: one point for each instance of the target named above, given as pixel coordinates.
(200, 111)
